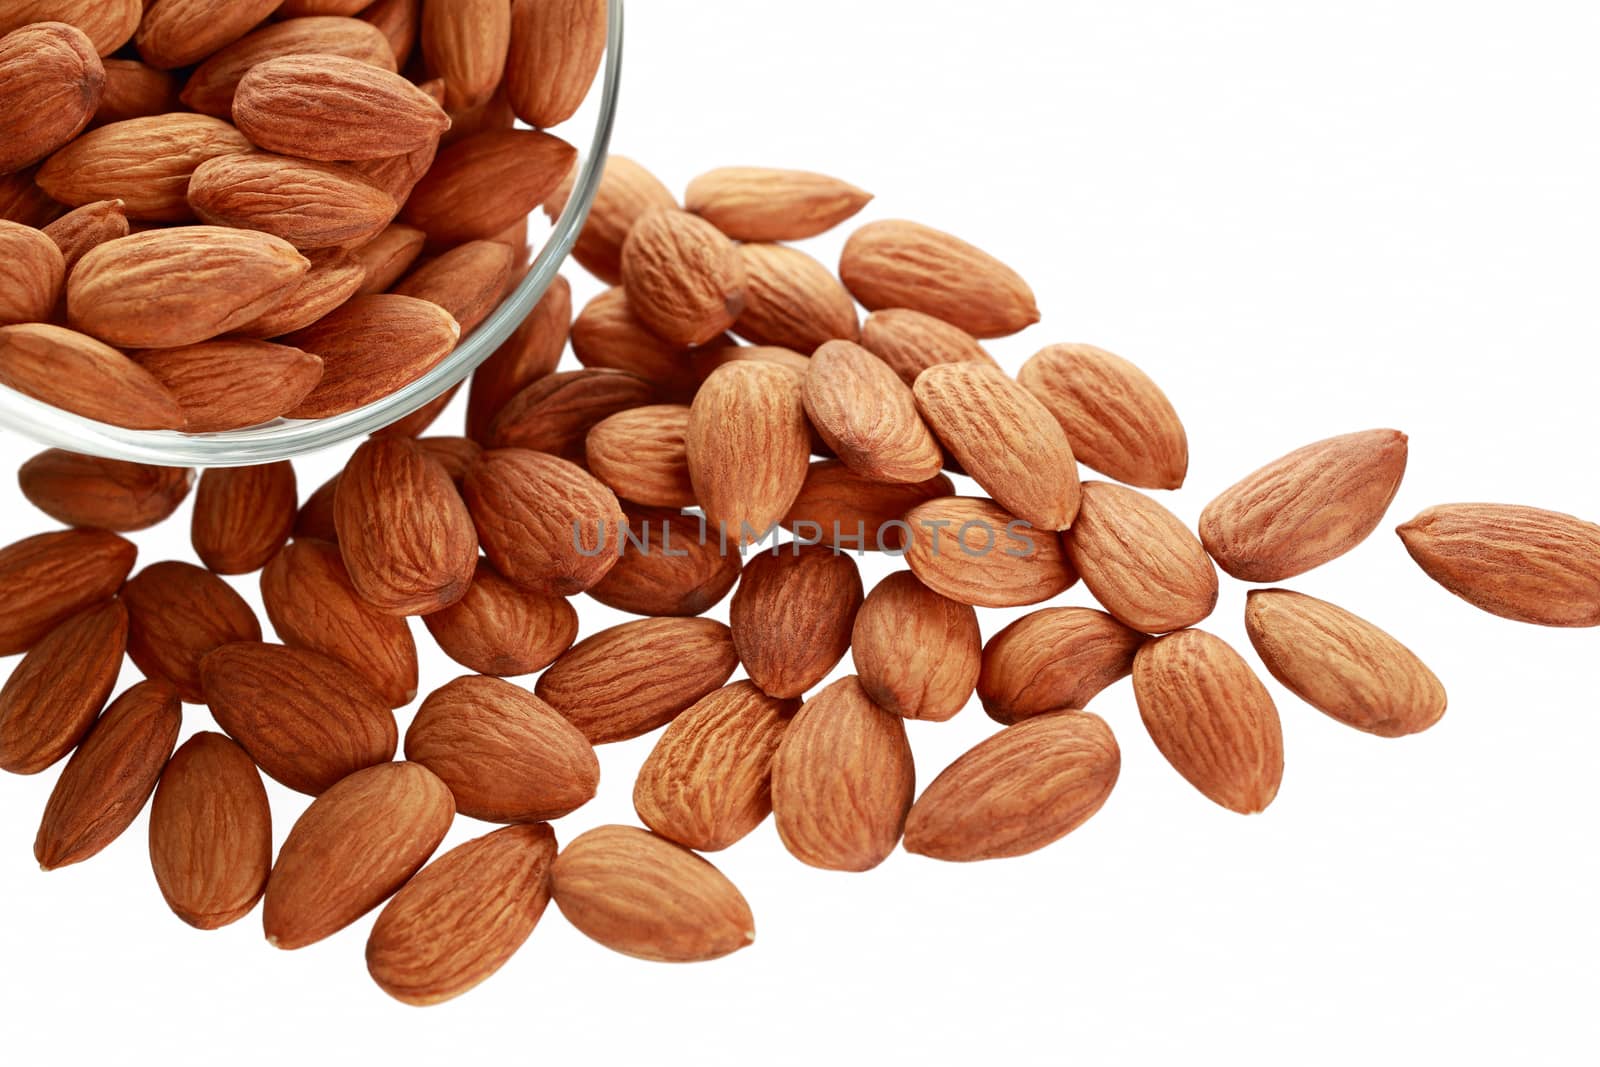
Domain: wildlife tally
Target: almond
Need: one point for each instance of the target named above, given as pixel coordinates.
(110, 776)
(1024, 788)
(545, 524)
(1519, 563)
(607, 334)
(53, 79)
(109, 24)
(917, 652)
(310, 205)
(1140, 561)
(1211, 718)
(1004, 438)
(840, 508)
(467, 281)
(501, 629)
(332, 108)
(48, 578)
(23, 202)
(107, 494)
(315, 519)
(766, 204)
(32, 273)
(792, 615)
(868, 416)
(685, 280)
(671, 564)
(556, 48)
(842, 780)
(463, 916)
(975, 552)
(631, 679)
(480, 185)
(748, 446)
(506, 755)
(371, 347)
(627, 192)
(178, 613)
(335, 276)
(210, 832)
(898, 264)
(312, 604)
(351, 849)
(644, 896)
(404, 532)
(1054, 658)
(144, 162)
(232, 382)
(455, 454)
(1307, 508)
(135, 90)
(640, 454)
(305, 718)
(243, 515)
(465, 43)
(399, 20)
(211, 87)
(87, 227)
(527, 355)
(707, 782)
(910, 342)
(386, 258)
(176, 33)
(792, 301)
(56, 690)
(76, 373)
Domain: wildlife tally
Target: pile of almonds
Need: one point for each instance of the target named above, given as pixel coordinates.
(263, 208)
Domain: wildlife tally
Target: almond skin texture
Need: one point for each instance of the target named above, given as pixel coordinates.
(527, 355)
(766, 204)
(178, 613)
(86, 227)
(640, 453)
(48, 578)
(556, 48)
(1311, 506)
(897, 264)
(312, 604)
(911, 342)
(176, 33)
(33, 271)
(867, 416)
(545, 523)
(480, 185)
(1520, 563)
(644, 896)
(627, 192)
(108, 24)
(53, 79)
(23, 202)
(105, 494)
(386, 258)
(1211, 718)
(160, 289)
(463, 916)
(310, 205)
(671, 564)
(842, 780)
(506, 755)
(1140, 561)
(748, 446)
(232, 382)
(332, 107)
(685, 280)
(243, 515)
(840, 508)
(975, 552)
(405, 535)
(305, 718)
(555, 413)
(465, 43)
(79, 374)
(108, 779)
(1342, 665)
(370, 347)
(1051, 659)
(210, 88)
(630, 679)
(1004, 438)
(54, 693)
(400, 21)
(351, 849)
(135, 90)
(792, 615)
(466, 281)
(501, 629)
(792, 301)
(607, 334)
(334, 277)
(1022, 789)
(918, 653)
(210, 832)
(145, 162)
(708, 781)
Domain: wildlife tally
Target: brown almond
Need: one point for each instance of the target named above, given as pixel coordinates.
(608, 335)
(232, 382)
(305, 8)
(398, 20)
(671, 564)
(54, 693)
(465, 43)
(455, 454)
(331, 108)
(76, 373)
(386, 258)
(792, 615)
(911, 342)
(556, 48)
(23, 202)
(32, 273)
(627, 191)
(501, 629)
(792, 301)
(109, 24)
(1140, 561)
(480, 185)
(106, 494)
(1024, 788)
(178, 613)
(315, 519)
(211, 86)
(398, 175)
(1054, 658)
(685, 280)
(370, 347)
(749, 447)
(135, 90)
(975, 552)
(917, 652)
(704, 361)
(640, 454)
(840, 508)
(47, 578)
(87, 227)
(467, 281)
(53, 79)
(767, 204)
(310, 205)
(144, 162)
(176, 33)
(335, 276)
(526, 356)
(243, 515)
(868, 416)
(1211, 718)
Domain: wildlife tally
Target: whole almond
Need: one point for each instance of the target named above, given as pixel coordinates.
(917, 652)
(1140, 561)
(1311, 506)
(499, 628)
(640, 453)
(108, 779)
(1051, 659)
(305, 718)
(767, 204)
(840, 508)
(399, 20)
(1004, 438)
(310, 205)
(243, 515)
(626, 192)
(1342, 665)
(465, 43)
(898, 264)
(135, 90)
(644, 896)
(210, 832)
(332, 107)
(463, 915)
(109, 24)
(911, 342)
(685, 280)
(59, 686)
(386, 258)
(335, 276)
(211, 86)
(232, 382)
(1520, 563)
(351, 849)
(145, 162)
(370, 347)
(792, 301)
(671, 564)
(86, 227)
(506, 755)
(607, 334)
(634, 678)
(467, 281)
(556, 48)
(176, 33)
(748, 446)
(106, 494)
(792, 615)
(53, 79)
(32, 273)
(47, 578)
(527, 355)
(76, 373)
(842, 780)
(480, 185)
(708, 781)
(1022, 789)
(405, 534)
(1211, 718)
(868, 416)
(177, 614)
(975, 552)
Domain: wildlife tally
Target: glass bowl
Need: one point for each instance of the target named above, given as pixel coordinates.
(287, 438)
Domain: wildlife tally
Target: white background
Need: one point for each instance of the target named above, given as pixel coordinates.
(1302, 219)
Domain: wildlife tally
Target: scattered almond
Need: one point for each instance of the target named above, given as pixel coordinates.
(975, 552)
(685, 280)
(627, 192)
(671, 564)
(766, 204)
(499, 628)
(840, 508)
(242, 516)
(792, 615)
(867, 416)
(50, 577)
(917, 652)
(178, 613)
(748, 447)
(1054, 658)
(54, 693)
(1140, 561)
(792, 301)
(106, 494)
